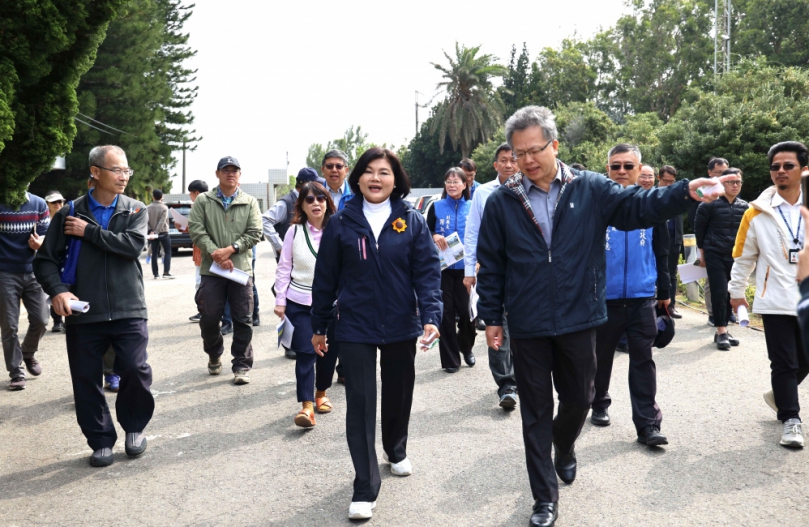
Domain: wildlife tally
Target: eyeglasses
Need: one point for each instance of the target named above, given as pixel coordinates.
(776, 167)
(734, 183)
(644, 176)
(454, 182)
(627, 166)
(128, 172)
(533, 152)
(311, 199)
(332, 166)
(231, 171)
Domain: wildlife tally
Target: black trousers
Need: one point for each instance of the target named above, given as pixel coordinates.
(674, 259)
(325, 365)
(718, 269)
(165, 240)
(456, 302)
(134, 406)
(789, 364)
(639, 321)
(568, 363)
(211, 296)
(398, 375)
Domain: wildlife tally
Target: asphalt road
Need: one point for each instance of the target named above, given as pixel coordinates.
(226, 455)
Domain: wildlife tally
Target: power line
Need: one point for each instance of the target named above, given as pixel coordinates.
(104, 124)
(91, 126)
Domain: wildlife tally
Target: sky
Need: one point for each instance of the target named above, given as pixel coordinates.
(275, 77)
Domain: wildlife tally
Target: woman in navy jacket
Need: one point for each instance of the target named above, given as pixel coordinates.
(378, 265)
(447, 216)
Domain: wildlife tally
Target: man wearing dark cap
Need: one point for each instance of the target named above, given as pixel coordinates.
(334, 170)
(277, 219)
(159, 226)
(225, 224)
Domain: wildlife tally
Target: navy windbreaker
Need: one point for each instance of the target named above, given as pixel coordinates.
(385, 294)
(559, 290)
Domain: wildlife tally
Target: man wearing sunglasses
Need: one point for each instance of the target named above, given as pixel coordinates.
(225, 224)
(637, 270)
(335, 169)
(716, 226)
(770, 236)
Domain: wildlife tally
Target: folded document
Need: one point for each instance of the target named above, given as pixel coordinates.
(237, 275)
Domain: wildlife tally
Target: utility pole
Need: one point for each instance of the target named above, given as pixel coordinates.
(417, 111)
(182, 191)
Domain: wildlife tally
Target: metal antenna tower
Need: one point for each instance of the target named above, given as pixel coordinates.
(723, 16)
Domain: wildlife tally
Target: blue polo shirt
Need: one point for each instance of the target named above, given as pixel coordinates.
(101, 213)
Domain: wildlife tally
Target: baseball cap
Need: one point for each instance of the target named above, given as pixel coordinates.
(228, 161)
(54, 196)
(306, 175)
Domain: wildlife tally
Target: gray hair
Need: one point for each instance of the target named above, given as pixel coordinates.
(99, 153)
(624, 148)
(532, 116)
(335, 153)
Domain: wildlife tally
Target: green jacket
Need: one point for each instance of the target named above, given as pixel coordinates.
(212, 228)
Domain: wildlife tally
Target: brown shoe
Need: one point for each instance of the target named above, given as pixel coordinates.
(33, 366)
(323, 405)
(305, 418)
(17, 383)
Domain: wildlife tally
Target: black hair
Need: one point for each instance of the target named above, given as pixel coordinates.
(198, 186)
(455, 171)
(315, 188)
(667, 169)
(505, 147)
(401, 181)
(468, 164)
(801, 152)
(717, 161)
(578, 166)
(157, 194)
(729, 171)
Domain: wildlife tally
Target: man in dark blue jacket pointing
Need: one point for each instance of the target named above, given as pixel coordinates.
(541, 255)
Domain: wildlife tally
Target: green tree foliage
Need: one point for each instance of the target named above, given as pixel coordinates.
(515, 90)
(753, 108)
(354, 142)
(562, 76)
(424, 161)
(776, 29)
(471, 112)
(483, 156)
(136, 96)
(585, 134)
(45, 48)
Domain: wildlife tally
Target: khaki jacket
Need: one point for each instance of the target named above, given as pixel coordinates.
(212, 228)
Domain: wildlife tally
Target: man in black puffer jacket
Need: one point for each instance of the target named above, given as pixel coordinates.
(716, 225)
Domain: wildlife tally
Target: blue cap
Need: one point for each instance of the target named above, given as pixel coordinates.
(305, 175)
(228, 161)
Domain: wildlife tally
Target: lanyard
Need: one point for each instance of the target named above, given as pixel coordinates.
(789, 228)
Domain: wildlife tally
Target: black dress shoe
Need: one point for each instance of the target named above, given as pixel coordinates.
(544, 514)
(451, 370)
(469, 359)
(600, 417)
(58, 327)
(733, 341)
(226, 329)
(256, 320)
(722, 341)
(195, 318)
(288, 353)
(651, 436)
(673, 313)
(565, 465)
(479, 325)
(341, 379)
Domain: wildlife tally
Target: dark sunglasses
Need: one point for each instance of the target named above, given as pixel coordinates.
(617, 167)
(311, 199)
(775, 167)
(338, 166)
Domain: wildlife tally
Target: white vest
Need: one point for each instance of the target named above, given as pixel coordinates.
(303, 261)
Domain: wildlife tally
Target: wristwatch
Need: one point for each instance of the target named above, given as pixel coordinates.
(235, 247)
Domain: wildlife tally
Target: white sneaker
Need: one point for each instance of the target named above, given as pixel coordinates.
(793, 434)
(402, 468)
(769, 398)
(361, 510)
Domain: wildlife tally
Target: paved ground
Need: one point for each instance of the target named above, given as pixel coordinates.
(226, 455)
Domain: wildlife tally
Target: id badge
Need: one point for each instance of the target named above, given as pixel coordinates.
(793, 256)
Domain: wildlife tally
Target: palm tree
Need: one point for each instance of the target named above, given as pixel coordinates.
(472, 112)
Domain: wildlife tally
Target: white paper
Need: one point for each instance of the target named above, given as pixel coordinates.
(742, 316)
(77, 306)
(285, 329)
(691, 273)
(473, 303)
(453, 253)
(715, 190)
(237, 275)
(151, 237)
(180, 221)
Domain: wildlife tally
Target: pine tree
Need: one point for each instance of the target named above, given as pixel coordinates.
(44, 51)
